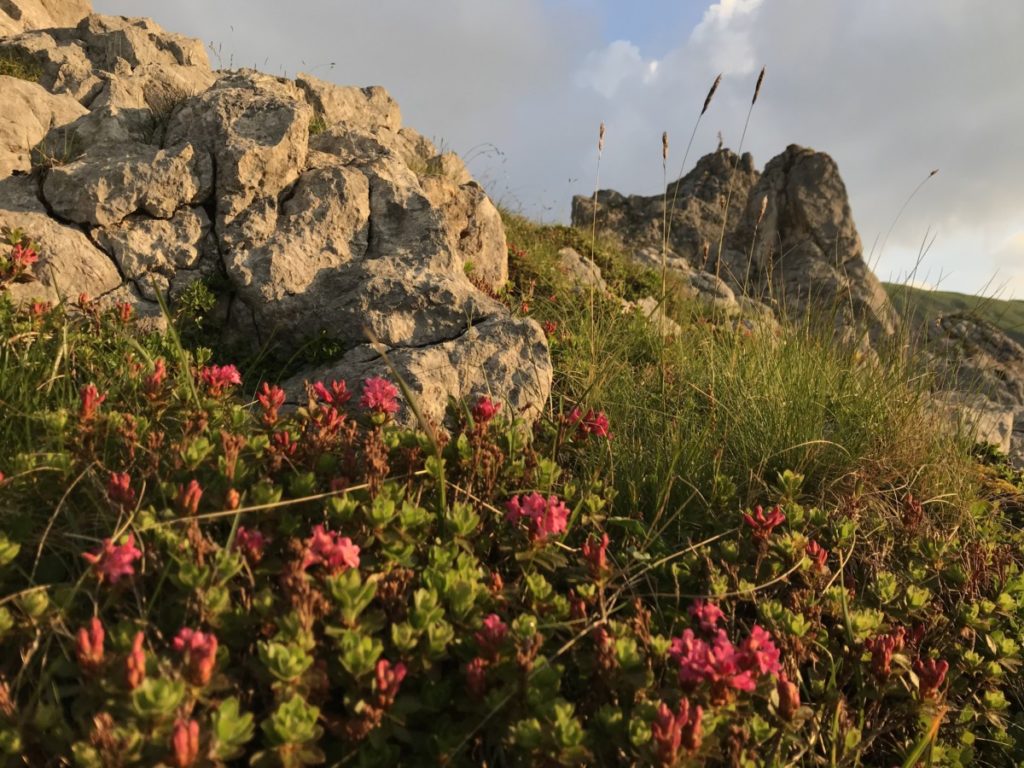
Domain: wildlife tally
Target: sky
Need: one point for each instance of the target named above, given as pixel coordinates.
(892, 90)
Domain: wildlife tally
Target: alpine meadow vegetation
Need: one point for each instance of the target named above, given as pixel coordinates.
(729, 547)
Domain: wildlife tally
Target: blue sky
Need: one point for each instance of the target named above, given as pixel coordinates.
(889, 89)
(655, 26)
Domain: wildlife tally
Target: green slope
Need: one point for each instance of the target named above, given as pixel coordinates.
(924, 305)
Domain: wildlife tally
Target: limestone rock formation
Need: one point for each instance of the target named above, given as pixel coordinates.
(798, 237)
(136, 169)
(21, 15)
(789, 239)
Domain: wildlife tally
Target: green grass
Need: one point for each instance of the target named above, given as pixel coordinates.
(737, 407)
(16, 64)
(922, 305)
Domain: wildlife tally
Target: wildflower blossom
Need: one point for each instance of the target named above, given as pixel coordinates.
(818, 555)
(120, 491)
(882, 648)
(484, 410)
(595, 552)
(330, 549)
(389, 679)
(281, 442)
(592, 423)
(476, 677)
(91, 400)
(671, 731)
(379, 396)
(491, 635)
(250, 543)
(114, 561)
(185, 743)
(89, 646)
(546, 517)
(124, 311)
(760, 651)
(154, 382)
(189, 497)
(23, 257)
(707, 615)
(270, 398)
(219, 377)
(721, 664)
(200, 652)
(930, 676)
(232, 499)
(39, 309)
(550, 327)
(762, 525)
(135, 664)
(337, 395)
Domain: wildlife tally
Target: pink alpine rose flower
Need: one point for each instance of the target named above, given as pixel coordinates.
(491, 635)
(337, 395)
(546, 517)
(484, 410)
(250, 543)
(762, 525)
(89, 646)
(119, 490)
(707, 615)
(112, 562)
(389, 679)
(219, 377)
(200, 652)
(379, 396)
(330, 549)
(91, 400)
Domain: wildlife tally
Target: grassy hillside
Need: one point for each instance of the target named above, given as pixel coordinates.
(924, 305)
(734, 546)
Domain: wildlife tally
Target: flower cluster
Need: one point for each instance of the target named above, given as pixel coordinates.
(484, 410)
(199, 650)
(591, 423)
(250, 543)
(219, 377)
(379, 396)
(112, 562)
(722, 665)
(331, 550)
(545, 516)
(761, 524)
(336, 394)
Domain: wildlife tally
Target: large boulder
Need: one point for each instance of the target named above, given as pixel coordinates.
(22, 15)
(30, 113)
(307, 206)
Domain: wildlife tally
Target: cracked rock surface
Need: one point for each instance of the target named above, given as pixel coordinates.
(135, 168)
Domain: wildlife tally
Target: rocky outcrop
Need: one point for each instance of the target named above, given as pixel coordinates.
(316, 214)
(21, 15)
(797, 247)
(696, 205)
(788, 241)
(981, 370)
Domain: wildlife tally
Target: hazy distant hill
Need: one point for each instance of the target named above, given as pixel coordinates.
(924, 305)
